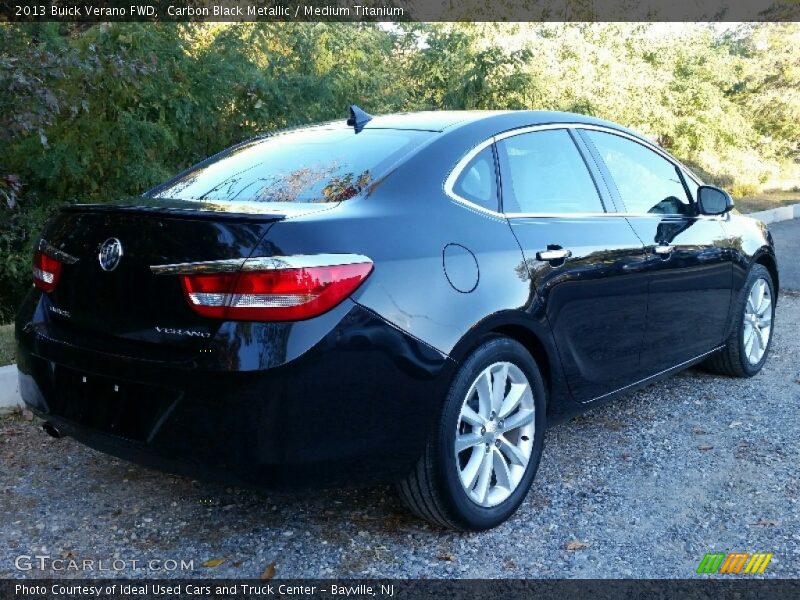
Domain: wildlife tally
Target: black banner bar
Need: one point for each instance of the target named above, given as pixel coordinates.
(738, 587)
(398, 10)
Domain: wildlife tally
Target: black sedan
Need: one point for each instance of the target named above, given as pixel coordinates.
(408, 298)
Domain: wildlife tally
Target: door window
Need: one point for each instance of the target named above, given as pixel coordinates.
(543, 172)
(646, 181)
(478, 180)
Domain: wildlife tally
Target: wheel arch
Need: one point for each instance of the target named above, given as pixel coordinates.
(535, 337)
(533, 344)
(767, 259)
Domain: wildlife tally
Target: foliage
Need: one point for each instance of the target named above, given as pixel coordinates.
(7, 347)
(91, 111)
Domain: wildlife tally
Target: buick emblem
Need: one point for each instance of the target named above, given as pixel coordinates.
(110, 254)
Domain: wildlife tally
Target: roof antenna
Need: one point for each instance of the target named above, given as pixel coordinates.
(358, 118)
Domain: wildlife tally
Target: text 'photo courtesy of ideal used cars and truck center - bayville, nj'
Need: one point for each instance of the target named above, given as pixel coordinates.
(314, 304)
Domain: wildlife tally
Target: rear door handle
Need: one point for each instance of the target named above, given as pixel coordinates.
(663, 249)
(557, 254)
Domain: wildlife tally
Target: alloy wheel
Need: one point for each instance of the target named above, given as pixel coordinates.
(494, 435)
(757, 321)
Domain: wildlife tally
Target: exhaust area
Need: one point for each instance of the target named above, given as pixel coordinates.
(51, 430)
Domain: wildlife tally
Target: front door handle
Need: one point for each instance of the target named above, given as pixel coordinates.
(555, 254)
(663, 249)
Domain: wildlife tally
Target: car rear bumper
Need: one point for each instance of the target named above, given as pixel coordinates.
(353, 409)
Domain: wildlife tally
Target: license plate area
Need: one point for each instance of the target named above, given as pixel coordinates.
(125, 409)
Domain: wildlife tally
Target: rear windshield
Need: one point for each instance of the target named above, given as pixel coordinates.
(309, 165)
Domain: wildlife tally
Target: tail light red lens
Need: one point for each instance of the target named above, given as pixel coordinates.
(46, 271)
(275, 294)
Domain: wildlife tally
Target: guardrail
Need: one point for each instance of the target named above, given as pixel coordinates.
(773, 215)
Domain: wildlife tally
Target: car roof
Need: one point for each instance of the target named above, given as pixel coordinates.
(430, 120)
(490, 122)
(441, 121)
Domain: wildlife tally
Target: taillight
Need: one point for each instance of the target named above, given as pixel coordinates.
(272, 294)
(46, 271)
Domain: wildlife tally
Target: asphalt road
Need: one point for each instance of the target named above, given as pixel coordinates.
(787, 247)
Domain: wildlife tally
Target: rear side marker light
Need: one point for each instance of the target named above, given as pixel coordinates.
(288, 288)
(46, 271)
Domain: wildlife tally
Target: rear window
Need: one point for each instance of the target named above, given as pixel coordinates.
(308, 165)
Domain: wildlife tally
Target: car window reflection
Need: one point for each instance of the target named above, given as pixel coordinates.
(312, 166)
(647, 182)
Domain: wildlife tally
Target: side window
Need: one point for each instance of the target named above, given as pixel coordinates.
(543, 172)
(647, 182)
(478, 181)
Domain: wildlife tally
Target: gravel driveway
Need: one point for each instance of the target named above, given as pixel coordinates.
(643, 487)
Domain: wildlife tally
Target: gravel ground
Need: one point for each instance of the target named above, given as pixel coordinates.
(643, 487)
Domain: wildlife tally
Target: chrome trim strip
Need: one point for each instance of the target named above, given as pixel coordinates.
(261, 263)
(456, 171)
(49, 249)
(611, 214)
(210, 266)
(678, 366)
(560, 254)
(530, 128)
(575, 215)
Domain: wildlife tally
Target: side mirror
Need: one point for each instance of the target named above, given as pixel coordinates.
(713, 201)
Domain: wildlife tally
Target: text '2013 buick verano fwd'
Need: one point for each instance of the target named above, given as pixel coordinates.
(407, 298)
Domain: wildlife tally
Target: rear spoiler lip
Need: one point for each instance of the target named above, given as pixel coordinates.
(269, 211)
(172, 212)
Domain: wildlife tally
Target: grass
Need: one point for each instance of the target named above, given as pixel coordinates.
(7, 350)
(766, 200)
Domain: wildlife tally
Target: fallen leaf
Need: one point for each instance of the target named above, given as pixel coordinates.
(574, 545)
(447, 557)
(625, 456)
(705, 447)
(27, 415)
(269, 572)
(766, 522)
(735, 424)
(214, 562)
(699, 431)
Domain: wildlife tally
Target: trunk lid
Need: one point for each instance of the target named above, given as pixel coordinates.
(130, 301)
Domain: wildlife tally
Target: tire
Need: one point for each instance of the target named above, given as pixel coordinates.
(443, 488)
(737, 359)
